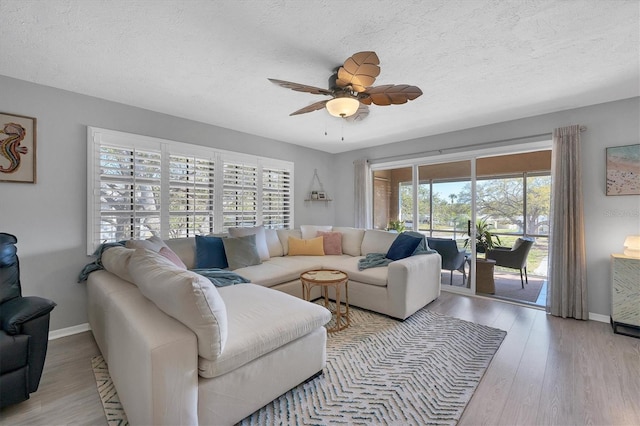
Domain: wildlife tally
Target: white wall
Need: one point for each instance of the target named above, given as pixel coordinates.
(607, 219)
(49, 218)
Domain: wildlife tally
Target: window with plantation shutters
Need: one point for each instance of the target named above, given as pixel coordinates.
(129, 193)
(240, 195)
(276, 197)
(140, 186)
(191, 196)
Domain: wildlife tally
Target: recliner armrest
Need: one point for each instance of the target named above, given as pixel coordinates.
(19, 310)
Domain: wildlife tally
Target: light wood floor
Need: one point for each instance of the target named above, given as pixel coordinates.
(548, 371)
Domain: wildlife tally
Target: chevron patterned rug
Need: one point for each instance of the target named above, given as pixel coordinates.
(108, 395)
(421, 371)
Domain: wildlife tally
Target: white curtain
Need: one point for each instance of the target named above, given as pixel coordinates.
(362, 194)
(567, 290)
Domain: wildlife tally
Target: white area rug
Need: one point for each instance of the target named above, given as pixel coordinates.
(421, 371)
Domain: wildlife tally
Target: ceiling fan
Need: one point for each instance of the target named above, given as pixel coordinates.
(351, 89)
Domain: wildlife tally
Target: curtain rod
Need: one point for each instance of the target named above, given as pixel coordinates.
(455, 148)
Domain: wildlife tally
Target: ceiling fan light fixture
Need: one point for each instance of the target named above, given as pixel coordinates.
(343, 106)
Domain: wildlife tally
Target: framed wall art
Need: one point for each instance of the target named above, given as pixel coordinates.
(623, 170)
(17, 148)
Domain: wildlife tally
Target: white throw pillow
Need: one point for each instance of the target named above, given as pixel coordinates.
(261, 240)
(184, 295)
(283, 236)
(273, 242)
(376, 241)
(351, 239)
(311, 231)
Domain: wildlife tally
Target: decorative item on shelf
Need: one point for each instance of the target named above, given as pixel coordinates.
(632, 246)
(314, 193)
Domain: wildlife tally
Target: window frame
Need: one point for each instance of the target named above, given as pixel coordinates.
(97, 138)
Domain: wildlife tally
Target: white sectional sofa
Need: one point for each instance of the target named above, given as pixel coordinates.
(181, 351)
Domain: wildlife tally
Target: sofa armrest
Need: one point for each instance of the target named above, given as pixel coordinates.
(412, 283)
(152, 358)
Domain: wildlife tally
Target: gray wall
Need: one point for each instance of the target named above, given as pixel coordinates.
(608, 219)
(49, 218)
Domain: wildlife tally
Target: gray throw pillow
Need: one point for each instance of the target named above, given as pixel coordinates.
(241, 251)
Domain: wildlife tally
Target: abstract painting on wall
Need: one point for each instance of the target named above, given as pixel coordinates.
(623, 170)
(17, 148)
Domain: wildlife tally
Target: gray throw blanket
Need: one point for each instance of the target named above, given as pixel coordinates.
(96, 265)
(373, 260)
(220, 277)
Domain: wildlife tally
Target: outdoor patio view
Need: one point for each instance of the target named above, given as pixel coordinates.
(512, 202)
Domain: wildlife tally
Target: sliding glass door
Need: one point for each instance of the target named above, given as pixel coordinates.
(504, 197)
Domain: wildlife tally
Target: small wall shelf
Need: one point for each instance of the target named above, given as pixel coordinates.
(317, 192)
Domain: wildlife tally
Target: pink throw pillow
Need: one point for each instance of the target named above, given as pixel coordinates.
(331, 241)
(172, 256)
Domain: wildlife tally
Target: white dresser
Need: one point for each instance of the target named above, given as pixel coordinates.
(625, 295)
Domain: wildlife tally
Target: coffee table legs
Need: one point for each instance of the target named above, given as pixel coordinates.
(341, 311)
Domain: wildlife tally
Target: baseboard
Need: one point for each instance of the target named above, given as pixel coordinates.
(69, 331)
(598, 317)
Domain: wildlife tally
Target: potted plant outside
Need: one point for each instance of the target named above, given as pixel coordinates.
(485, 240)
(397, 226)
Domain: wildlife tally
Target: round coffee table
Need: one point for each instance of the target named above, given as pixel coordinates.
(326, 278)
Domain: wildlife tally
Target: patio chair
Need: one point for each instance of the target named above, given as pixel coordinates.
(513, 257)
(452, 258)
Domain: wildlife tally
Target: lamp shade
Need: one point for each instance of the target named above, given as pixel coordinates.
(342, 107)
(632, 246)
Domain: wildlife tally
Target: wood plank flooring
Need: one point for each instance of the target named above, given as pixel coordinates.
(548, 371)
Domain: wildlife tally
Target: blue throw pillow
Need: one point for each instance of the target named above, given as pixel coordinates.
(422, 248)
(210, 253)
(403, 246)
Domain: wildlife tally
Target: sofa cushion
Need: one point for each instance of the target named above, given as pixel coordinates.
(351, 239)
(273, 243)
(184, 295)
(156, 244)
(241, 251)
(210, 252)
(331, 242)
(116, 260)
(311, 231)
(373, 276)
(376, 241)
(278, 270)
(310, 247)
(403, 246)
(261, 320)
(283, 236)
(261, 240)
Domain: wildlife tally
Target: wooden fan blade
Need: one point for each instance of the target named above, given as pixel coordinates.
(391, 94)
(361, 114)
(301, 87)
(310, 108)
(359, 71)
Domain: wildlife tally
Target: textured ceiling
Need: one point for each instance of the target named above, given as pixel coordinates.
(477, 62)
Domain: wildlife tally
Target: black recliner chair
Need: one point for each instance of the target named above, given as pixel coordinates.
(24, 330)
